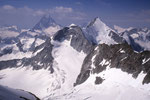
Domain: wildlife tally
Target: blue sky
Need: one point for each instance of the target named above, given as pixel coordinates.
(124, 13)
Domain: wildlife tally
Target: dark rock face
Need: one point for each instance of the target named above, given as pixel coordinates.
(42, 59)
(134, 45)
(98, 80)
(10, 40)
(9, 64)
(20, 46)
(62, 34)
(119, 56)
(116, 37)
(7, 50)
(77, 38)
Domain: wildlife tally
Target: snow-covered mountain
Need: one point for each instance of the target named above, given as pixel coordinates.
(22, 43)
(51, 58)
(47, 26)
(99, 33)
(138, 38)
(72, 63)
(120, 29)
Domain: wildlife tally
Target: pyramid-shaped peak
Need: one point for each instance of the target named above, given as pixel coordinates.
(45, 22)
(48, 18)
(96, 20)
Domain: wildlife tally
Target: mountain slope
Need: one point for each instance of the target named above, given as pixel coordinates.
(139, 36)
(12, 94)
(116, 56)
(77, 39)
(49, 62)
(113, 72)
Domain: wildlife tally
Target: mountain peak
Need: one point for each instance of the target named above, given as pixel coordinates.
(98, 32)
(45, 22)
(71, 25)
(96, 20)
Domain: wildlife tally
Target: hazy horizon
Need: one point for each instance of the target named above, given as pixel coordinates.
(26, 13)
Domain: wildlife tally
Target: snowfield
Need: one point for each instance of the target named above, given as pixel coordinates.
(13, 94)
(117, 85)
(67, 66)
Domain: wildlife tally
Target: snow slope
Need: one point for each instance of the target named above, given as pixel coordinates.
(50, 31)
(39, 82)
(67, 65)
(12, 94)
(70, 62)
(117, 85)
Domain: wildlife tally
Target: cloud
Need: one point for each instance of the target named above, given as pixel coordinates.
(8, 7)
(62, 10)
(78, 3)
(139, 16)
(39, 13)
(142, 16)
(27, 17)
(64, 13)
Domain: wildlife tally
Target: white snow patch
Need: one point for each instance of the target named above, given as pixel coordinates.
(71, 25)
(145, 60)
(135, 35)
(119, 29)
(27, 42)
(104, 62)
(93, 58)
(39, 42)
(50, 31)
(96, 48)
(123, 58)
(122, 51)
